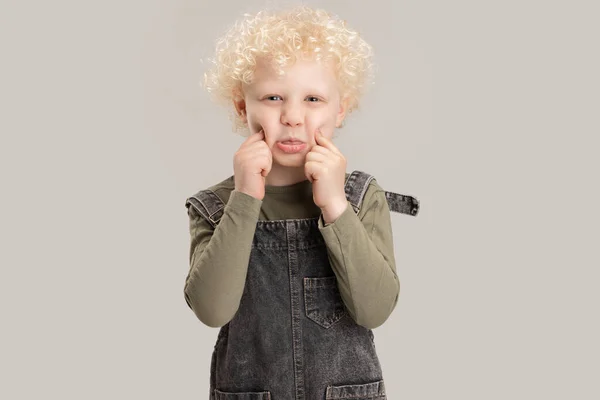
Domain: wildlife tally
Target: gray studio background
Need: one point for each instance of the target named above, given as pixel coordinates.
(486, 111)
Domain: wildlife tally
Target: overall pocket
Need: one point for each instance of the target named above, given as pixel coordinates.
(367, 391)
(219, 395)
(322, 300)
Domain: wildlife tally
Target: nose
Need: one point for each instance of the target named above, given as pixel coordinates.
(291, 114)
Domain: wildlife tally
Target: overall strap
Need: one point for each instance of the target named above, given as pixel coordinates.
(402, 203)
(356, 186)
(208, 204)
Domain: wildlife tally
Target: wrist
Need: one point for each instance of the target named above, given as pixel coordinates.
(332, 212)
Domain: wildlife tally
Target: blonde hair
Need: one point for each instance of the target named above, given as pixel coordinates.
(280, 37)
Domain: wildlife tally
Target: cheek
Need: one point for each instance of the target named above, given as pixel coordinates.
(322, 118)
(261, 119)
(256, 124)
(325, 122)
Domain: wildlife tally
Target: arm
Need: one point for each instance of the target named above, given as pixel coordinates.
(361, 254)
(217, 275)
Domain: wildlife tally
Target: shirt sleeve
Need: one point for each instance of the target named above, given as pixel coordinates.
(217, 276)
(360, 248)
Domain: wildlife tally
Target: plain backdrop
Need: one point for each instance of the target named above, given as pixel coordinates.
(486, 111)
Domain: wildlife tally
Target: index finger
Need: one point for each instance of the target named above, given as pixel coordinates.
(325, 142)
(255, 137)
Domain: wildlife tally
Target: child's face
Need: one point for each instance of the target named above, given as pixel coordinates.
(294, 105)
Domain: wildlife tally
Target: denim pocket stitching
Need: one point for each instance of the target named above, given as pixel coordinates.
(327, 310)
(371, 390)
(263, 395)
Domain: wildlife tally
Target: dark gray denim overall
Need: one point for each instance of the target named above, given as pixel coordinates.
(292, 338)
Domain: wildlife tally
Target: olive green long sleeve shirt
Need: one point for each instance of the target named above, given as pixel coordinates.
(359, 246)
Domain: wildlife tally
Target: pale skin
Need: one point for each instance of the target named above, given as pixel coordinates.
(304, 104)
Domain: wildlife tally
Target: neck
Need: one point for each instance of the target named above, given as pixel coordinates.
(283, 176)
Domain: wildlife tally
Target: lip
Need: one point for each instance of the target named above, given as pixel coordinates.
(291, 148)
(291, 139)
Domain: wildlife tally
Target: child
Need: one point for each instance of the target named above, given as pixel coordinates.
(291, 256)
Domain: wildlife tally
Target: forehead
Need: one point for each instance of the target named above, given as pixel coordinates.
(302, 73)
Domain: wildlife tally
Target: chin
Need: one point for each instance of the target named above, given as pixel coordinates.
(292, 160)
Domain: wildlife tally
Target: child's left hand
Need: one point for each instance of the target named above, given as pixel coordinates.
(325, 168)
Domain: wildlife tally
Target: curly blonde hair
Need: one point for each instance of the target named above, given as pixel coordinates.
(280, 37)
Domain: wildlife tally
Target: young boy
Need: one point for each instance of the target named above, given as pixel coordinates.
(291, 256)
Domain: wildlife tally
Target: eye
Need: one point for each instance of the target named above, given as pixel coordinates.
(316, 99)
(270, 97)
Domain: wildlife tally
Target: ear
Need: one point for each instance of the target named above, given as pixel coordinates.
(240, 107)
(341, 112)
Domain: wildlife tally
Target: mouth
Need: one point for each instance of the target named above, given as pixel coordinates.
(291, 146)
(291, 141)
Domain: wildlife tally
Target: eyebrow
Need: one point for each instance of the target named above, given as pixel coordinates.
(309, 91)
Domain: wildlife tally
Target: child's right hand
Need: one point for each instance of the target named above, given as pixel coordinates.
(251, 164)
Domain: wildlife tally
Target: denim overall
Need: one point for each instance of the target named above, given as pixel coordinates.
(292, 337)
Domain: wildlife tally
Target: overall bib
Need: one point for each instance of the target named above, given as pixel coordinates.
(292, 337)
